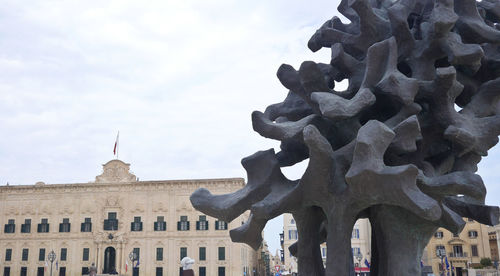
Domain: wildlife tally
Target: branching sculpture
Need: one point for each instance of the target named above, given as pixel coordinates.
(400, 146)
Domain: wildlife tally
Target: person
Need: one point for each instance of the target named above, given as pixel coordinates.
(187, 264)
(92, 270)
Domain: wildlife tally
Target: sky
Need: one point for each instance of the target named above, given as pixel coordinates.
(177, 79)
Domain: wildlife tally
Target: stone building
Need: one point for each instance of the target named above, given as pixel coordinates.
(106, 221)
(360, 243)
(462, 251)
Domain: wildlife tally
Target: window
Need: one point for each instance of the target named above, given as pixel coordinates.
(473, 249)
(86, 225)
(183, 224)
(8, 254)
(85, 254)
(159, 254)
(136, 226)
(6, 271)
(85, 270)
(202, 224)
(183, 252)
(292, 234)
(355, 251)
(43, 226)
(292, 221)
(355, 233)
(440, 251)
(202, 254)
(137, 252)
(41, 254)
(111, 224)
(221, 271)
(10, 227)
(202, 271)
(222, 253)
(220, 225)
(159, 271)
(458, 251)
(40, 271)
(25, 254)
(65, 226)
(64, 253)
(24, 271)
(473, 234)
(26, 227)
(323, 252)
(438, 235)
(160, 224)
(62, 271)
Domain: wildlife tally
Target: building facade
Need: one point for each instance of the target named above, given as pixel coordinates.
(462, 251)
(360, 245)
(109, 221)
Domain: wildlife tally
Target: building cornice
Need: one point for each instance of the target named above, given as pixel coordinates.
(135, 184)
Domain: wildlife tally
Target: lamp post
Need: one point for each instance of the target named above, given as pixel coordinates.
(133, 257)
(359, 257)
(441, 253)
(52, 258)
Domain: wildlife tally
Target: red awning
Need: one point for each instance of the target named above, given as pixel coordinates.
(361, 269)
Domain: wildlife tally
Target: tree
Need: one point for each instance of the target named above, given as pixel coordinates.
(486, 262)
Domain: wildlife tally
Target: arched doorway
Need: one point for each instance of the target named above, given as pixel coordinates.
(109, 260)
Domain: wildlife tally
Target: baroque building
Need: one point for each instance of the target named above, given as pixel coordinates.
(108, 221)
(461, 252)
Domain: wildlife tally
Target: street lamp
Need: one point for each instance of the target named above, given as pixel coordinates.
(359, 257)
(441, 253)
(133, 257)
(52, 258)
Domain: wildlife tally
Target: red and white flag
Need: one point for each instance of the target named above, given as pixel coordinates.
(115, 149)
(46, 265)
(126, 265)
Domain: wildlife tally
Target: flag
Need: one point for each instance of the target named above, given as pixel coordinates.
(367, 263)
(421, 264)
(57, 265)
(137, 264)
(126, 265)
(46, 265)
(446, 262)
(116, 144)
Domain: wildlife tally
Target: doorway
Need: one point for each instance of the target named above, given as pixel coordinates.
(109, 260)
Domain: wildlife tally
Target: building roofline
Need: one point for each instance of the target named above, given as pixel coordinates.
(145, 182)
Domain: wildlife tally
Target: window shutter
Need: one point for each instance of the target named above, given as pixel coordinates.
(197, 225)
(188, 225)
(178, 225)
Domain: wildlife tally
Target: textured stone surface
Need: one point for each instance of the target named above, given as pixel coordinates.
(399, 146)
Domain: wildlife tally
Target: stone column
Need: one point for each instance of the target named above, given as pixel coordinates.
(98, 263)
(120, 257)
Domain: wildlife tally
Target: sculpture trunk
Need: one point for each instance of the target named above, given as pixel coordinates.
(309, 253)
(398, 246)
(339, 253)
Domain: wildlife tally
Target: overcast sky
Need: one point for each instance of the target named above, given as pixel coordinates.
(178, 79)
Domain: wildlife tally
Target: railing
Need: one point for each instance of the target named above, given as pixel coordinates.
(457, 255)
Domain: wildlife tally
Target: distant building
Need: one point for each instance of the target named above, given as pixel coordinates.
(462, 251)
(264, 261)
(106, 221)
(360, 243)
